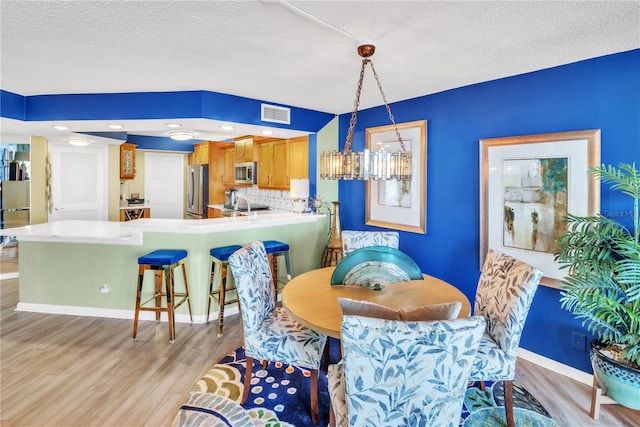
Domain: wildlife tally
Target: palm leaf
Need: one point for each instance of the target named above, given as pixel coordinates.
(602, 260)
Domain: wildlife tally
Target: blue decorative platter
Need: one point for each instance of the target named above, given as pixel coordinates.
(374, 267)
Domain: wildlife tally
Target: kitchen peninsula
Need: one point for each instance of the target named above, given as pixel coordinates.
(90, 267)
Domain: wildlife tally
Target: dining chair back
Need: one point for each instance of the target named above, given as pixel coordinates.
(403, 373)
(504, 295)
(269, 333)
(352, 240)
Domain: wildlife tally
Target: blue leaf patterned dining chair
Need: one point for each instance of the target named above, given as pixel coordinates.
(269, 333)
(403, 373)
(352, 240)
(505, 291)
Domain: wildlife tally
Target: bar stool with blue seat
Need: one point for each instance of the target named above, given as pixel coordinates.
(163, 262)
(218, 282)
(275, 250)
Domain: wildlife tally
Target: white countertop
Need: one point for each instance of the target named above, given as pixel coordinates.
(131, 232)
(95, 232)
(257, 219)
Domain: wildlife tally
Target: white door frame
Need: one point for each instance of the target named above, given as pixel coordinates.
(72, 197)
(164, 175)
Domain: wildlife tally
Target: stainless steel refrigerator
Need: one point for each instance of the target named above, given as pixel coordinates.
(197, 191)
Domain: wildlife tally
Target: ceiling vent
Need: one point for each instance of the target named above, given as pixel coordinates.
(274, 114)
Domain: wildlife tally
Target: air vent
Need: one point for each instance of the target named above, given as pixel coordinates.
(274, 114)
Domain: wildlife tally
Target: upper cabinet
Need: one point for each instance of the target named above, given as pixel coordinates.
(200, 154)
(127, 161)
(280, 169)
(299, 158)
(280, 160)
(229, 175)
(221, 170)
(244, 149)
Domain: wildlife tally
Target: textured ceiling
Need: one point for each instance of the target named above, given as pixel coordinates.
(299, 53)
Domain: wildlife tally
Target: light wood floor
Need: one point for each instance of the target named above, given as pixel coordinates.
(59, 370)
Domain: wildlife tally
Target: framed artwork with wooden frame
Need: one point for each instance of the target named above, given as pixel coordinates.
(528, 185)
(127, 161)
(395, 204)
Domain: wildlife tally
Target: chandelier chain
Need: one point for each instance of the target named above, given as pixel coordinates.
(386, 104)
(376, 165)
(356, 103)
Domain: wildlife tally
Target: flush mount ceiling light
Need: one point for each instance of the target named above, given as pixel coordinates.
(227, 127)
(173, 125)
(266, 132)
(366, 165)
(60, 127)
(79, 142)
(115, 126)
(182, 135)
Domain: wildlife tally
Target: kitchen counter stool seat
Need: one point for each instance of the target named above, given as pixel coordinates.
(163, 262)
(218, 282)
(276, 249)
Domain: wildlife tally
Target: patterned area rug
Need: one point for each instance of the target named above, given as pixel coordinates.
(279, 397)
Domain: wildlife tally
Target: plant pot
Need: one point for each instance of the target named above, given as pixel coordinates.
(621, 383)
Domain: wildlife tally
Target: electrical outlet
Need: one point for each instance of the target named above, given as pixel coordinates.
(104, 288)
(578, 341)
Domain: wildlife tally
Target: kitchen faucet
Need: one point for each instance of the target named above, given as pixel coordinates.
(246, 199)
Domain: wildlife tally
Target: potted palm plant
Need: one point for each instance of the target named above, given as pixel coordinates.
(602, 286)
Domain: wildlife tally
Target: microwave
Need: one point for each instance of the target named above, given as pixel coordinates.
(246, 173)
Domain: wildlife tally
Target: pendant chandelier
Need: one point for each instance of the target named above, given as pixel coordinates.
(366, 165)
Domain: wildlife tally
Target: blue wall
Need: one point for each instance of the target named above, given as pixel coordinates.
(152, 105)
(601, 93)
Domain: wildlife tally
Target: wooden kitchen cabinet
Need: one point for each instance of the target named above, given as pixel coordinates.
(273, 164)
(200, 154)
(229, 176)
(281, 157)
(299, 158)
(218, 156)
(214, 213)
(265, 165)
(127, 161)
(244, 149)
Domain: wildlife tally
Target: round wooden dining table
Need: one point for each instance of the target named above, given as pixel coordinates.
(311, 300)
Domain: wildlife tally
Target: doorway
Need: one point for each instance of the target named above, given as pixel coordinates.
(164, 184)
(79, 183)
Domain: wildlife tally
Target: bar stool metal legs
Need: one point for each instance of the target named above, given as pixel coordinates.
(276, 249)
(163, 263)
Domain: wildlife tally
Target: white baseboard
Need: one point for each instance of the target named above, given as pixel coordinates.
(560, 368)
(114, 313)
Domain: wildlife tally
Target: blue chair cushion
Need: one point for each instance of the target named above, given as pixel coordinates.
(222, 253)
(163, 257)
(273, 246)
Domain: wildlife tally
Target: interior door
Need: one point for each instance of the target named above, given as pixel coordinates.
(164, 184)
(79, 182)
